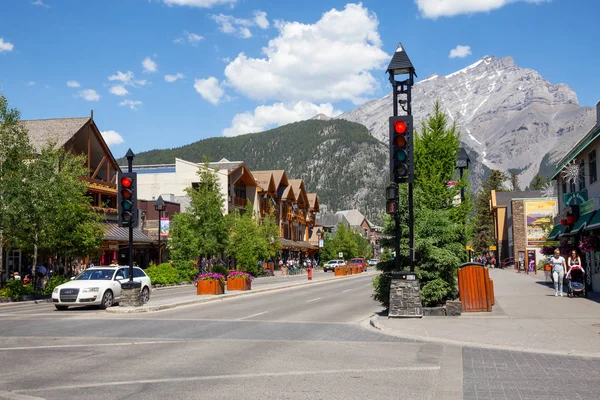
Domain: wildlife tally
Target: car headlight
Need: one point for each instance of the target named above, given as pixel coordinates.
(91, 289)
(55, 290)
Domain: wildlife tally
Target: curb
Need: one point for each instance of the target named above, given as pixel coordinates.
(374, 323)
(9, 304)
(143, 309)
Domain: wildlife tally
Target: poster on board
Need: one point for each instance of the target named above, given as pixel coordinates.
(538, 216)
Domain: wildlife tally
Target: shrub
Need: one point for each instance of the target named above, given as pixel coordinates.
(220, 269)
(14, 289)
(240, 274)
(185, 270)
(381, 289)
(163, 274)
(436, 292)
(54, 282)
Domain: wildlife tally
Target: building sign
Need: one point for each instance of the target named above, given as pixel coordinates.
(164, 227)
(587, 207)
(321, 241)
(456, 200)
(538, 216)
(575, 198)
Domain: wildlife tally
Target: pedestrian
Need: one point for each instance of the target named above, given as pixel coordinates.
(574, 259)
(16, 276)
(203, 265)
(532, 266)
(559, 270)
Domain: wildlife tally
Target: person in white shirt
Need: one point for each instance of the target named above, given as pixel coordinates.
(559, 270)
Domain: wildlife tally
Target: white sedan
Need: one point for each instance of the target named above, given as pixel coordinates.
(98, 286)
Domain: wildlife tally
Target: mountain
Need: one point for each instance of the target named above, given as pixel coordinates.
(339, 160)
(321, 117)
(511, 118)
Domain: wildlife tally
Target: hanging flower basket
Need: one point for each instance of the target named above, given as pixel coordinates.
(210, 283)
(238, 280)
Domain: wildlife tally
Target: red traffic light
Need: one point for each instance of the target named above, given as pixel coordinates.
(126, 182)
(400, 127)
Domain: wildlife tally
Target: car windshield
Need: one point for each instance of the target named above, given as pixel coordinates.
(356, 260)
(95, 275)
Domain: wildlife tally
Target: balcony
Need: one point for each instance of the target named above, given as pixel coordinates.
(239, 202)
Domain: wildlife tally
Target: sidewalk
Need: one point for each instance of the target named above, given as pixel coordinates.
(526, 317)
(258, 286)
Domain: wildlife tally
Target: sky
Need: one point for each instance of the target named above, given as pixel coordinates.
(165, 73)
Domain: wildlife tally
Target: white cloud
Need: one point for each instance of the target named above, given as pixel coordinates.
(127, 79)
(189, 37)
(266, 117)
(133, 104)
(149, 65)
(209, 89)
(198, 3)
(233, 25)
(327, 61)
(118, 90)
(40, 3)
(88, 95)
(112, 138)
(260, 19)
(5, 46)
(73, 84)
(449, 8)
(172, 78)
(31, 83)
(460, 52)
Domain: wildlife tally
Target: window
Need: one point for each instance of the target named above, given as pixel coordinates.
(572, 187)
(581, 175)
(592, 166)
(564, 185)
(138, 273)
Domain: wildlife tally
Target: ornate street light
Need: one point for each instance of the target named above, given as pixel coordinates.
(160, 207)
(462, 163)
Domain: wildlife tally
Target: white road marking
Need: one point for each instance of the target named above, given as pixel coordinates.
(253, 315)
(347, 290)
(60, 346)
(228, 377)
(310, 301)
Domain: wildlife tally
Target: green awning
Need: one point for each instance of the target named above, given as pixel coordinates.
(556, 231)
(581, 223)
(594, 223)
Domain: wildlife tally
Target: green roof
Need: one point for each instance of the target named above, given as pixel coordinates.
(581, 223)
(556, 231)
(577, 149)
(594, 222)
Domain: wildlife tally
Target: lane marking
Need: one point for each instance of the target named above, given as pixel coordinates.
(234, 376)
(62, 346)
(310, 301)
(253, 315)
(347, 290)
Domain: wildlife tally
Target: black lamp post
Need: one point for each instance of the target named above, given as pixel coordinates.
(160, 207)
(462, 163)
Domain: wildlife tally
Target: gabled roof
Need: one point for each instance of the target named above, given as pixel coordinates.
(226, 164)
(299, 190)
(331, 220)
(265, 181)
(288, 194)
(354, 217)
(313, 201)
(59, 130)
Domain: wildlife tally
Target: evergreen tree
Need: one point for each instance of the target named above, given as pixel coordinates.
(484, 221)
(537, 183)
(514, 181)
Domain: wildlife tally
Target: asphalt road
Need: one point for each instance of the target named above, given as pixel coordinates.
(307, 342)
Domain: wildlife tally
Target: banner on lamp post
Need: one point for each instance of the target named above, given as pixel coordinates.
(164, 227)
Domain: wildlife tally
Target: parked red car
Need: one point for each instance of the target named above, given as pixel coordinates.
(358, 262)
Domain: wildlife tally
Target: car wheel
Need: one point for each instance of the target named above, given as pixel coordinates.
(61, 308)
(145, 294)
(107, 300)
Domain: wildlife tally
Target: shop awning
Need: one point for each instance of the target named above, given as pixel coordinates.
(594, 223)
(114, 233)
(581, 223)
(556, 231)
(291, 244)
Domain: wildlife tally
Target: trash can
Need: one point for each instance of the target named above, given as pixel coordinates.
(475, 288)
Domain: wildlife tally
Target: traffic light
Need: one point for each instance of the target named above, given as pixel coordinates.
(401, 149)
(391, 206)
(127, 199)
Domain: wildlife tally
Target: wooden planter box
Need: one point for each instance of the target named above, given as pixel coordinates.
(339, 272)
(355, 270)
(349, 271)
(238, 284)
(210, 287)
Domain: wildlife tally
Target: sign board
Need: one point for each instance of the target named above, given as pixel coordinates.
(587, 207)
(575, 198)
(469, 248)
(164, 227)
(341, 255)
(321, 243)
(492, 248)
(538, 220)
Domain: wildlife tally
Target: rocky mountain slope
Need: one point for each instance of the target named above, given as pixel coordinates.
(338, 159)
(510, 118)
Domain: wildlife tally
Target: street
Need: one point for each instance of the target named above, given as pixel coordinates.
(307, 342)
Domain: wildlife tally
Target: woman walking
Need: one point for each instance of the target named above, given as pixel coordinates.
(574, 259)
(559, 270)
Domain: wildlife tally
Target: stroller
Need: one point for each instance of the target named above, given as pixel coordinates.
(576, 281)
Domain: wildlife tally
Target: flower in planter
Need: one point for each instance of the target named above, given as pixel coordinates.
(210, 276)
(240, 274)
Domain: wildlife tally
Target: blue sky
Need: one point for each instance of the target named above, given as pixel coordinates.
(165, 73)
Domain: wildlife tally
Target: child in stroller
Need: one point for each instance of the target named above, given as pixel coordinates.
(575, 278)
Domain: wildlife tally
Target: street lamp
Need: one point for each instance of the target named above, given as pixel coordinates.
(319, 235)
(462, 163)
(160, 207)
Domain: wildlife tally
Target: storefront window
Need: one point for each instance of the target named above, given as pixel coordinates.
(592, 164)
(581, 176)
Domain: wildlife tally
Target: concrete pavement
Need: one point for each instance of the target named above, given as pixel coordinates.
(526, 317)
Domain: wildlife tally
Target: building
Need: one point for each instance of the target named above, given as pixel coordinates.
(577, 225)
(81, 136)
(358, 221)
(522, 221)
